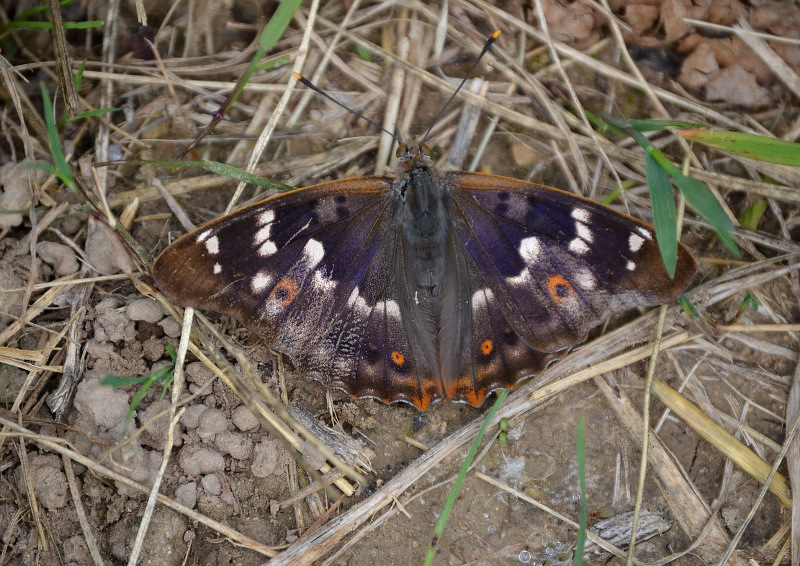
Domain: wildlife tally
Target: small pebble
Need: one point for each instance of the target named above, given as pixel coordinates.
(186, 495)
(171, 327)
(200, 461)
(244, 419)
(211, 484)
(61, 257)
(237, 445)
(212, 421)
(147, 310)
(191, 417)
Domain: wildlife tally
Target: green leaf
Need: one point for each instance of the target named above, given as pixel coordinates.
(274, 63)
(363, 52)
(762, 148)
(62, 169)
(688, 307)
(753, 214)
(664, 215)
(277, 23)
(703, 200)
(696, 193)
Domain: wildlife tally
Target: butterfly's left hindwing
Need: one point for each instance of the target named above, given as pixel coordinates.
(286, 266)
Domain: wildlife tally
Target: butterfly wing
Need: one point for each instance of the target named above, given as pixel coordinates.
(320, 279)
(284, 266)
(479, 348)
(547, 267)
(376, 346)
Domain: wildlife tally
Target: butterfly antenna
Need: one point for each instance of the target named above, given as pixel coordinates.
(313, 87)
(485, 50)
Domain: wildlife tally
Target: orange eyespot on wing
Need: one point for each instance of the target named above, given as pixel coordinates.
(486, 347)
(398, 358)
(284, 292)
(560, 289)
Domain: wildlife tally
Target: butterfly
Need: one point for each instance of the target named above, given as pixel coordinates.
(422, 286)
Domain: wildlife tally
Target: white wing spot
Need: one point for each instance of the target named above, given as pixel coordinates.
(580, 214)
(392, 308)
(267, 249)
(202, 237)
(523, 281)
(322, 283)
(313, 252)
(630, 266)
(260, 282)
(586, 280)
(481, 298)
(262, 235)
(529, 249)
(645, 233)
(584, 231)
(578, 246)
(266, 217)
(635, 242)
(212, 245)
(217, 269)
(357, 302)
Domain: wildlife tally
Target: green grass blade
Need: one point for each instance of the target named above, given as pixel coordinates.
(41, 8)
(752, 215)
(705, 203)
(212, 166)
(277, 23)
(664, 215)
(95, 112)
(688, 308)
(62, 169)
(696, 193)
(656, 125)
(762, 148)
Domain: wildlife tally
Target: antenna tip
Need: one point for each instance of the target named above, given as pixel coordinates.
(298, 76)
(496, 34)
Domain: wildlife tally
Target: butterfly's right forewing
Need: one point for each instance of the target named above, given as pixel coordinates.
(286, 266)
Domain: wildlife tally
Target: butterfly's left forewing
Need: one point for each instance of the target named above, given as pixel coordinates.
(558, 265)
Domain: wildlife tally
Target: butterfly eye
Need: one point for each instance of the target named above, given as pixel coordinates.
(401, 150)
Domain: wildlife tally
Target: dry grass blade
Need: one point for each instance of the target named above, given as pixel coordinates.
(722, 440)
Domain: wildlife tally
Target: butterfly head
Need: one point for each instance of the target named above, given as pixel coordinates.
(413, 155)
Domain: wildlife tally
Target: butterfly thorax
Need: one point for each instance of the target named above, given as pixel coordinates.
(424, 226)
